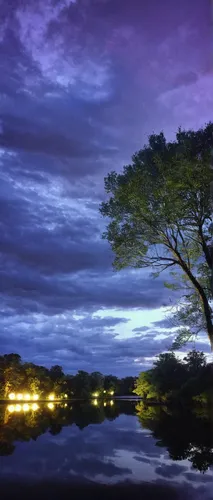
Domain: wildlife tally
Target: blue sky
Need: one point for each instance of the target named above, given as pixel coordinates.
(83, 83)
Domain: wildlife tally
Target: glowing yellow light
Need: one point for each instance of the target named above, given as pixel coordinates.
(12, 395)
(95, 402)
(65, 405)
(104, 392)
(35, 397)
(17, 407)
(35, 407)
(96, 394)
(51, 406)
(27, 397)
(26, 407)
(111, 392)
(19, 397)
(65, 395)
(104, 403)
(11, 408)
(111, 402)
(51, 397)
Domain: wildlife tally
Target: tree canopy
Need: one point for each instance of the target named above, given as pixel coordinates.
(160, 214)
(17, 376)
(177, 381)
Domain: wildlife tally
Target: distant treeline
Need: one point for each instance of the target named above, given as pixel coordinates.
(172, 380)
(17, 376)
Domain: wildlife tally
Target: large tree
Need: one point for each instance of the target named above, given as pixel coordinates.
(160, 217)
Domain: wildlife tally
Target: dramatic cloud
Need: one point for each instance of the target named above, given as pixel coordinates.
(82, 85)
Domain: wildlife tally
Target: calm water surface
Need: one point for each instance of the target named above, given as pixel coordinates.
(108, 442)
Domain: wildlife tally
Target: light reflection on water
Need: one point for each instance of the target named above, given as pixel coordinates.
(14, 408)
(102, 440)
(24, 407)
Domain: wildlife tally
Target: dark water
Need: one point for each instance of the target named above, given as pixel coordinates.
(108, 442)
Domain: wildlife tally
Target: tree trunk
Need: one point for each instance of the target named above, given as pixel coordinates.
(204, 300)
(208, 317)
(211, 341)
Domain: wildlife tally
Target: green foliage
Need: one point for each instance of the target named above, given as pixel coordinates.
(168, 373)
(160, 215)
(145, 386)
(111, 383)
(172, 380)
(96, 381)
(16, 376)
(195, 361)
(183, 337)
(56, 373)
(126, 385)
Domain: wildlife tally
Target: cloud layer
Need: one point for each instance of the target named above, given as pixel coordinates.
(82, 85)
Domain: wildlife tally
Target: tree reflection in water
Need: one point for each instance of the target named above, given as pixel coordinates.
(186, 433)
(20, 424)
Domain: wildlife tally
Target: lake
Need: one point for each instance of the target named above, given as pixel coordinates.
(108, 442)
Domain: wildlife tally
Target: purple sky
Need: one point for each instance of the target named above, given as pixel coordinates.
(82, 84)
